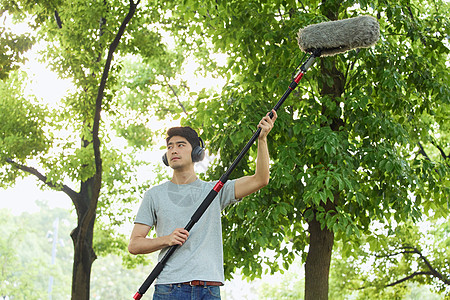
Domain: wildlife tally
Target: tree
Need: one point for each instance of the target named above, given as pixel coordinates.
(390, 261)
(86, 199)
(347, 148)
(69, 148)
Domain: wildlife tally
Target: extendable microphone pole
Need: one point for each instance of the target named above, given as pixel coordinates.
(223, 179)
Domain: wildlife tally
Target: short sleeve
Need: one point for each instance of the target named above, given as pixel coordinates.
(146, 213)
(227, 195)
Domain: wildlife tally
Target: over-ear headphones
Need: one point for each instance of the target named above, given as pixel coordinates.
(197, 154)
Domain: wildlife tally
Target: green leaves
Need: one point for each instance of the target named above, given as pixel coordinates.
(392, 253)
(12, 51)
(23, 132)
(350, 135)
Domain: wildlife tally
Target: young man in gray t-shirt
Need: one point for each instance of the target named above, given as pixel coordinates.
(195, 270)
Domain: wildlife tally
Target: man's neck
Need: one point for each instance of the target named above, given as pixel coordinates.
(183, 177)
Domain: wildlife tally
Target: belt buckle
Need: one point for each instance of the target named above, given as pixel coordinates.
(191, 283)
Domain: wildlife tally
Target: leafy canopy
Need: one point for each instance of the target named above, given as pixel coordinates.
(350, 134)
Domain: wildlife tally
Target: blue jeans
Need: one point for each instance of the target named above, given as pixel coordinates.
(185, 292)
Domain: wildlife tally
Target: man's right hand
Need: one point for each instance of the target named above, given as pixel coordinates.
(178, 237)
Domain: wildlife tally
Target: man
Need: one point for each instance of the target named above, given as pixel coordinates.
(195, 270)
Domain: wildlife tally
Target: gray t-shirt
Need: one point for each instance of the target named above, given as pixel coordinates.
(169, 206)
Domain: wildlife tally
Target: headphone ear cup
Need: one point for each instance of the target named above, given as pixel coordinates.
(198, 154)
(164, 159)
(201, 156)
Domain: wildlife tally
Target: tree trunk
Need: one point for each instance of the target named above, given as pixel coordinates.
(86, 203)
(317, 267)
(84, 256)
(82, 237)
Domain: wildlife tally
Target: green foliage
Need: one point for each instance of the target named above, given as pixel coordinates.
(391, 254)
(25, 259)
(57, 144)
(13, 48)
(23, 129)
(23, 122)
(26, 254)
(358, 148)
(149, 91)
(77, 36)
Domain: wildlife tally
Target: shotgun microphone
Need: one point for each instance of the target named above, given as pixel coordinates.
(334, 37)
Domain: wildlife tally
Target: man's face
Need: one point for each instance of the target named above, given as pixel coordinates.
(179, 152)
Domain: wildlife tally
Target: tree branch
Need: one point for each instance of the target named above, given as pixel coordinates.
(350, 67)
(441, 151)
(303, 6)
(101, 89)
(444, 156)
(58, 19)
(408, 278)
(281, 16)
(98, 108)
(422, 39)
(30, 170)
(395, 254)
(176, 96)
(431, 271)
(422, 151)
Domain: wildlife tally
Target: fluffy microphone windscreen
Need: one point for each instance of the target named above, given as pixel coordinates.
(339, 36)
